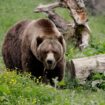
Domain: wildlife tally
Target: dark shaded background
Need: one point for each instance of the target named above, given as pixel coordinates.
(96, 7)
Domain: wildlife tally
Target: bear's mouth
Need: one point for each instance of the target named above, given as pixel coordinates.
(50, 66)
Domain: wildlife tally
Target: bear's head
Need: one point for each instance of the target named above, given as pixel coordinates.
(50, 51)
(47, 45)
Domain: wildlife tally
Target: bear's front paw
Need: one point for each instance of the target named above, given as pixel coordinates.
(83, 45)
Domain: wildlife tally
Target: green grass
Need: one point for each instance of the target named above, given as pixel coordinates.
(21, 90)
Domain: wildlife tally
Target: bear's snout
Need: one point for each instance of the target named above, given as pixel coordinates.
(50, 61)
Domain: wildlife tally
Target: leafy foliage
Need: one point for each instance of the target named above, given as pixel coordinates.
(97, 80)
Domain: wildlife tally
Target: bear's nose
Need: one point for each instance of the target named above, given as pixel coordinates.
(49, 62)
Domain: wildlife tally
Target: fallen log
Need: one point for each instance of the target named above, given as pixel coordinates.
(82, 68)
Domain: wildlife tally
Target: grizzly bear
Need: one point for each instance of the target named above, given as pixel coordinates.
(37, 47)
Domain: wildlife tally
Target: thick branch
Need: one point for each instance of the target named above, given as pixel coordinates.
(49, 7)
(59, 22)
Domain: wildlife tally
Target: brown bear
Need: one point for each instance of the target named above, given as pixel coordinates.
(37, 47)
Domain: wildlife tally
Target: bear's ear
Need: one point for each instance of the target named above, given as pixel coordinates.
(39, 40)
(60, 39)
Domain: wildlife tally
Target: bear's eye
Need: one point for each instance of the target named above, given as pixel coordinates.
(39, 41)
(55, 52)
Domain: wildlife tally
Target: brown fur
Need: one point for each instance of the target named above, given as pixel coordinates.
(11, 48)
(24, 43)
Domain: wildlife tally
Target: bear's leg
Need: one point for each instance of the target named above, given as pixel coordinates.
(57, 74)
(25, 60)
(31, 64)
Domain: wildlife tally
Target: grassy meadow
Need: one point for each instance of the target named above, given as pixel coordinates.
(20, 89)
